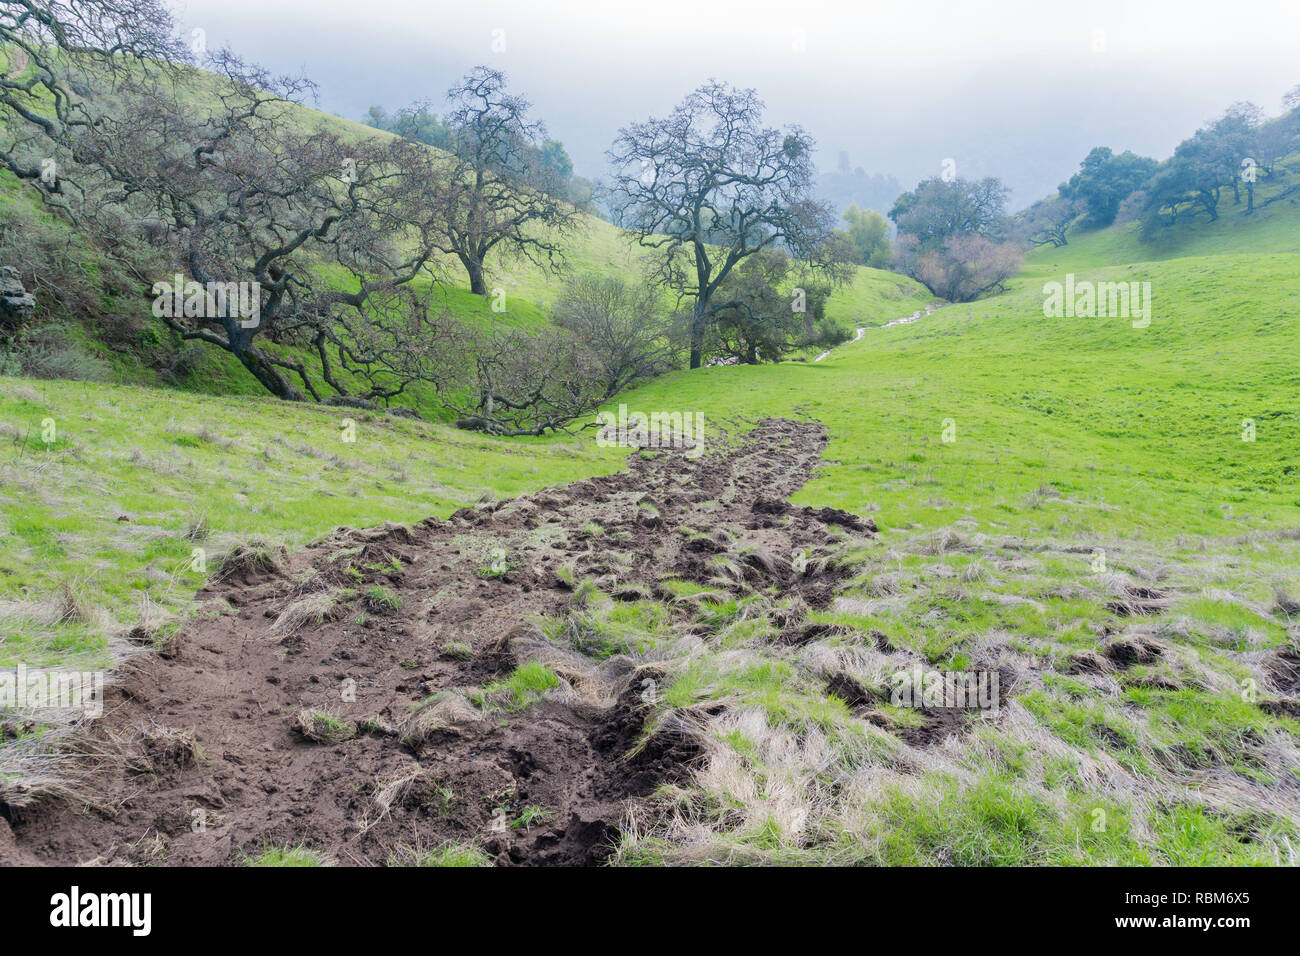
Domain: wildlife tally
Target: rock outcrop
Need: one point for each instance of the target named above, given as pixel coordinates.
(16, 303)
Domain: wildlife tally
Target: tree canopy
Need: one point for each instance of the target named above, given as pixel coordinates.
(708, 186)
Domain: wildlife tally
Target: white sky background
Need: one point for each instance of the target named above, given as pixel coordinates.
(1012, 88)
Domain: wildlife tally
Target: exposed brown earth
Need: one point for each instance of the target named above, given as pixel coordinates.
(392, 630)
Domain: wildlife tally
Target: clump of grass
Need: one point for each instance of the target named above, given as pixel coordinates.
(299, 855)
(529, 816)
(584, 593)
(322, 727)
(73, 604)
(1285, 604)
(458, 651)
(252, 557)
(382, 601)
(198, 528)
(414, 788)
(314, 609)
(443, 710)
(166, 747)
(448, 854)
(527, 684)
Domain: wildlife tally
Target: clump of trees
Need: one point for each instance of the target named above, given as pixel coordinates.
(343, 240)
(868, 235)
(1231, 153)
(347, 240)
(952, 237)
(1103, 181)
(1225, 154)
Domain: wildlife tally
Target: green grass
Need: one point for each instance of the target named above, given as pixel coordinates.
(450, 854)
(531, 816)
(139, 500)
(1021, 469)
(1270, 229)
(1076, 440)
(287, 856)
(1138, 430)
(526, 685)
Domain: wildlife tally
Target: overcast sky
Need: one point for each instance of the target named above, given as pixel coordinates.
(1020, 89)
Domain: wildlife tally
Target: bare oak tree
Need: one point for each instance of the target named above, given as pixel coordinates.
(333, 234)
(707, 187)
(497, 194)
(60, 57)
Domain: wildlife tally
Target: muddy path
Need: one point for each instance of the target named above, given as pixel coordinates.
(393, 631)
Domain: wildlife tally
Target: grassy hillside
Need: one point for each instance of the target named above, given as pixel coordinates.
(1088, 461)
(100, 326)
(1271, 228)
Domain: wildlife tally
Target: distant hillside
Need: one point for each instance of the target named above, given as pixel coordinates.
(844, 186)
(97, 322)
(1274, 226)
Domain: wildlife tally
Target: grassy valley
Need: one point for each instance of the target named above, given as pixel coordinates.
(359, 634)
(1090, 461)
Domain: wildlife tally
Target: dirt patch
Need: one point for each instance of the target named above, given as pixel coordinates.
(938, 725)
(1133, 649)
(1283, 669)
(850, 690)
(328, 697)
(1138, 601)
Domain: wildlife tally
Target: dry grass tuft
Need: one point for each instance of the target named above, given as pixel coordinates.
(322, 727)
(158, 749)
(445, 712)
(252, 558)
(315, 609)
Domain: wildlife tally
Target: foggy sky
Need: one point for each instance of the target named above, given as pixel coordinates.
(1020, 89)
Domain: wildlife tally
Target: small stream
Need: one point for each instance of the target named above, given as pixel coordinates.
(905, 320)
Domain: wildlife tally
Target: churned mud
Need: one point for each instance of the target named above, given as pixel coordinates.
(393, 634)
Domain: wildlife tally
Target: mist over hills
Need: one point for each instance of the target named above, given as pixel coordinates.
(972, 88)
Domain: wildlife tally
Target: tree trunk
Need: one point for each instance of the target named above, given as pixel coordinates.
(270, 376)
(474, 267)
(697, 337)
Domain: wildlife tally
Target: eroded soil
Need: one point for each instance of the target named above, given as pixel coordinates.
(211, 768)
